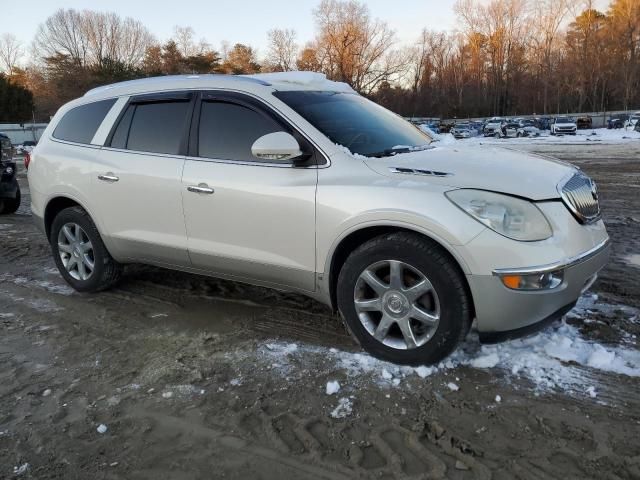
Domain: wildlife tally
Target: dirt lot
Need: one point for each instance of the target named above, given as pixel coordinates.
(200, 378)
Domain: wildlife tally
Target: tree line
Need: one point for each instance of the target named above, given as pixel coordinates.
(505, 57)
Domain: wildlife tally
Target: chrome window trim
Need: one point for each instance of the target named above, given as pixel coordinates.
(552, 267)
(327, 158)
(142, 152)
(75, 144)
(249, 163)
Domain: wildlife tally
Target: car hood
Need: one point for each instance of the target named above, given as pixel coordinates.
(487, 168)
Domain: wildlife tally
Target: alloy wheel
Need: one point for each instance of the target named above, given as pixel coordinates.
(76, 251)
(397, 304)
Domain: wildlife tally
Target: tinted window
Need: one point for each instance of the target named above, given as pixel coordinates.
(155, 127)
(81, 123)
(355, 122)
(228, 130)
(119, 139)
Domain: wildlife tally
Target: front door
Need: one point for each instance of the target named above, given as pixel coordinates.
(247, 219)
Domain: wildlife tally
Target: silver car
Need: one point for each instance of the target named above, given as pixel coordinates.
(298, 183)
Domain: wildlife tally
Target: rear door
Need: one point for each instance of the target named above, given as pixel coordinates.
(246, 218)
(136, 179)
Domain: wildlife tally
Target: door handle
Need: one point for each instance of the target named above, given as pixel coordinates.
(108, 177)
(201, 188)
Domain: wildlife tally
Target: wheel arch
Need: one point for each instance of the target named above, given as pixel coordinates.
(58, 203)
(354, 238)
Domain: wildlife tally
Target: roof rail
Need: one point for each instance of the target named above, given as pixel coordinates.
(170, 78)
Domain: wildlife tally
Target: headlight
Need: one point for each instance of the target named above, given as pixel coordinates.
(512, 217)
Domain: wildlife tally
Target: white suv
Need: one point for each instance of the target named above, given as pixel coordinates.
(563, 126)
(295, 182)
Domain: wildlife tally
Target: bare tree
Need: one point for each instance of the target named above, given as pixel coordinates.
(624, 24)
(92, 38)
(505, 25)
(11, 51)
(547, 41)
(282, 50)
(354, 48)
(183, 37)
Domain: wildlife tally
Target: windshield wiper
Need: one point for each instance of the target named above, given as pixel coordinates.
(389, 152)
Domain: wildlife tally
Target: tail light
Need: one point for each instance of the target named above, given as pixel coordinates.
(27, 160)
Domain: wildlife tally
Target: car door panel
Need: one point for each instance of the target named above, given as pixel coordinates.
(142, 210)
(137, 180)
(259, 222)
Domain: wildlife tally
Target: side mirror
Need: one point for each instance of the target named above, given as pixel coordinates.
(276, 146)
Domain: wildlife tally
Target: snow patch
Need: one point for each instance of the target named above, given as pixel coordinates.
(344, 408)
(453, 387)
(553, 359)
(310, 80)
(332, 387)
(102, 428)
(20, 469)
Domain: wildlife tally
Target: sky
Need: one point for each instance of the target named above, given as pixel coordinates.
(236, 21)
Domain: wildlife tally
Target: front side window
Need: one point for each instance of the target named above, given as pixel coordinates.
(354, 122)
(81, 123)
(228, 130)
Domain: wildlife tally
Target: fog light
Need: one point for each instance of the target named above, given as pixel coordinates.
(534, 281)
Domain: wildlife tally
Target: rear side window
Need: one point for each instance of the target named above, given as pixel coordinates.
(156, 127)
(81, 123)
(227, 130)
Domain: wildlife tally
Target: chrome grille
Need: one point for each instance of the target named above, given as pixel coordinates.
(580, 195)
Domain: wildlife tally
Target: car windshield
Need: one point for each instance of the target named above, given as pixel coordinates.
(356, 123)
(563, 120)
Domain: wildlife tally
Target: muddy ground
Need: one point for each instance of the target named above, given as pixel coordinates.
(201, 378)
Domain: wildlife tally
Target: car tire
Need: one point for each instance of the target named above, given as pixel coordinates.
(447, 302)
(10, 205)
(80, 254)
(518, 134)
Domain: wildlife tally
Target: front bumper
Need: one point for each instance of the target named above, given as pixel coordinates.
(505, 313)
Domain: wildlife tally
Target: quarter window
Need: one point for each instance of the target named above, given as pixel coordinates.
(228, 130)
(81, 123)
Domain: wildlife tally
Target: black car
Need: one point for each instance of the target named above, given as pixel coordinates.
(9, 188)
(616, 121)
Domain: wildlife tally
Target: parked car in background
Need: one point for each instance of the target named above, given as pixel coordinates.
(584, 122)
(294, 182)
(527, 128)
(25, 147)
(508, 129)
(633, 120)
(463, 130)
(477, 126)
(563, 126)
(445, 127)
(616, 121)
(434, 127)
(9, 188)
(543, 123)
(493, 124)
(637, 127)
